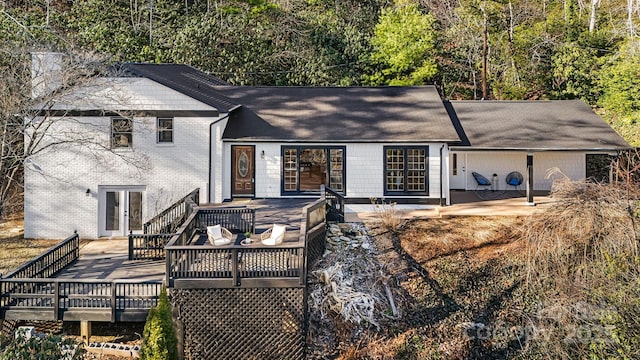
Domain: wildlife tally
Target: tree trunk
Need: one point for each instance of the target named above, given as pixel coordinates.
(592, 16)
(484, 58)
(630, 10)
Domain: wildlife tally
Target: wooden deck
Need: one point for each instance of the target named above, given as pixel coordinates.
(271, 211)
(99, 281)
(108, 260)
(193, 263)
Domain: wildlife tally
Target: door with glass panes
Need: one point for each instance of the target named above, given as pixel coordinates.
(120, 210)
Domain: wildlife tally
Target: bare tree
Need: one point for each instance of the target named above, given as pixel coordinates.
(36, 117)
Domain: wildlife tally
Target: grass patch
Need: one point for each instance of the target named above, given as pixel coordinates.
(15, 249)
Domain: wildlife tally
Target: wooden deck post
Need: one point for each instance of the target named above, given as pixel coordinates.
(56, 300)
(85, 331)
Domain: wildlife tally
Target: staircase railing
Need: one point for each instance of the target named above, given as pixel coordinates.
(168, 221)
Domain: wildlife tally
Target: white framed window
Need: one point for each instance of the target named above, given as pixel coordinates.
(165, 130)
(121, 132)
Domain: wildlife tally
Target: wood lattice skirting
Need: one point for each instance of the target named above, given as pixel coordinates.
(241, 323)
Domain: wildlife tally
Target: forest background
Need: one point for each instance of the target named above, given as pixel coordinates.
(470, 49)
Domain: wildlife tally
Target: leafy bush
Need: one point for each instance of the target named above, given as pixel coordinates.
(49, 347)
(160, 340)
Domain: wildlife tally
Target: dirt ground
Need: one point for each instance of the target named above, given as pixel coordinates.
(444, 274)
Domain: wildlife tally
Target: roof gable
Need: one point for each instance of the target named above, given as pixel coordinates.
(533, 125)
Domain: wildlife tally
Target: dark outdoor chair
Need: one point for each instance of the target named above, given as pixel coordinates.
(514, 179)
(481, 180)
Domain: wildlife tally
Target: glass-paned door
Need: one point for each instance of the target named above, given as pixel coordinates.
(306, 169)
(120, 210)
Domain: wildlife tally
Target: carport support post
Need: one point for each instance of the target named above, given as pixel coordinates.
(85, 331)
(530, 179)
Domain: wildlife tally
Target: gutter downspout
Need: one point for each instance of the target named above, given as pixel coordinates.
(441, 171)
(211, 150)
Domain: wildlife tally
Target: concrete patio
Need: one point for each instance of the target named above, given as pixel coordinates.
(463, 203)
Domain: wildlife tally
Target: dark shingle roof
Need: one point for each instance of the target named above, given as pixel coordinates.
(533, 125)
(185, 79)
(333, 114)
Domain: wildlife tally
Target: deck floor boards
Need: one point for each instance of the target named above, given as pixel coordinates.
(107, 259)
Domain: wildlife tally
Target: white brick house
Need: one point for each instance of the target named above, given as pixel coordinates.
(109, 192)
(163, 130)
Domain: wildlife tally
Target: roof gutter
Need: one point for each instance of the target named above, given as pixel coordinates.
(211, 150)
(463, 148)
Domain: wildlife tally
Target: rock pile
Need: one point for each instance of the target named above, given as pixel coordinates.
(348, 236)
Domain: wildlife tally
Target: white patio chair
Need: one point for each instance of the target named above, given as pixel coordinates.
(274, 235)
(218, 235)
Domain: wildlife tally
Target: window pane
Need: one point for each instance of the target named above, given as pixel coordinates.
(121, 132)
(165, 130)
(112, 219)
(455, 164)
(135, 210)
(336, 176)
(290, 161)
(395, 169)
(416, 165)
(312, 169)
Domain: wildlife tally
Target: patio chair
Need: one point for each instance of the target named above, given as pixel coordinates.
(218, 235)
(514, 179)
(274, 235)
(481, 180)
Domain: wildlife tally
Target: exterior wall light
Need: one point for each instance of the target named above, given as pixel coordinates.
(88, 192)
(262, 154)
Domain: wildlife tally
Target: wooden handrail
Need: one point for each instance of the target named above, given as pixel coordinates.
(171, 218)
(51, 261)
(335, 205)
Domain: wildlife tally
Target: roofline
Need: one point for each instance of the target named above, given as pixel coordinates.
(336, 141)
(463, 148)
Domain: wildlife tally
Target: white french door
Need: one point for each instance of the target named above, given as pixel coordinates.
(120, 210)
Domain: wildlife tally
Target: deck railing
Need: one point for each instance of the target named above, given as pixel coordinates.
(51, 261)
(159, 230)
(237, 220)
(191, 265)
(169, 220)
(335, 205)
(148, 246)
(76, 299)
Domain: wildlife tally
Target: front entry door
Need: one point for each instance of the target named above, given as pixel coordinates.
(242, 168)
(458, 172)
(120, 210)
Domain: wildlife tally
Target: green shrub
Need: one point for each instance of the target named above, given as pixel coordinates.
(160, 340)
(49, 347)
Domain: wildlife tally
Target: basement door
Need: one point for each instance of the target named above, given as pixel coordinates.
(120, 210)
(242, 168)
